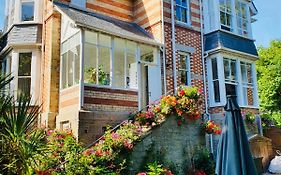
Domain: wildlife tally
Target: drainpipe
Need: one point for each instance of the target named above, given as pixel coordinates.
(174, 46)
(204, 75)
(164, 48)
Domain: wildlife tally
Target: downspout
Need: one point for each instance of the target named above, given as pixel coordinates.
(204, 75)
(174, 46)
(164, 48)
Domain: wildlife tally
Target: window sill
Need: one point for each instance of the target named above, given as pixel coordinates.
(236, 34)
(241, 106)
(185, 25)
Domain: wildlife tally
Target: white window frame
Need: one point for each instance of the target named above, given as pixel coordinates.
(244, 32)
(188, 69)
(25, 77)
(234, 18)
(222, 82)
(187, 8)
(65, 51)
(112, 61)
(27, 1)
(225, 11)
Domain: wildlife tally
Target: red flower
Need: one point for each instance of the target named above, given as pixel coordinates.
(128, 144)
(181, 93)
(179, 122)
(200, 173)
(200, 91)
(99, 153)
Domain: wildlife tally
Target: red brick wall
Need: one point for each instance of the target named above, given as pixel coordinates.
(188, 37)
(104, 99)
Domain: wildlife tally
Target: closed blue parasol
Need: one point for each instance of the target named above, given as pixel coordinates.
(234, 156)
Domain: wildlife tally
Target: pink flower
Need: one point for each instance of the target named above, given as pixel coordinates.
(59, 137)
(50, 132)
(115, 136)
(141, 173)
(201, 91)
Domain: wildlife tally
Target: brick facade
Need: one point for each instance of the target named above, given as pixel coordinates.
(50, 65)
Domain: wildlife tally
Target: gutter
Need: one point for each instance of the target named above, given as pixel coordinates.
(174, 46)
(204, 76)
(163, 48)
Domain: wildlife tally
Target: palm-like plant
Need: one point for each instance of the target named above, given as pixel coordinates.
(20, 140)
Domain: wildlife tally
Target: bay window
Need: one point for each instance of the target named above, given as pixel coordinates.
(232, 76)
(182, 11)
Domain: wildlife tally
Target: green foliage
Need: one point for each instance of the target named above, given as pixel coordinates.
(91, 76)
(269, 80)
(203, 161)
(20, 141)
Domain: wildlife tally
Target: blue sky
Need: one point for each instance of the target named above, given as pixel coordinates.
(267, 27)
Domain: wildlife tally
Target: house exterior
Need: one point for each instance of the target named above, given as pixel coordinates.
(94, 62)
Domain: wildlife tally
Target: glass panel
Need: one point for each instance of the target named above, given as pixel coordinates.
(184, 3)
(243, 73)
(90, 64)
(214, 68)
(24, 64)
(226, 69)
(249, 73)
(184, 15)
(183, 77)
(104, 40)
(24, 86)
(178, 13)
(91, 37)
(233, 70)
(245, 93)
(104, 66)
(27, 11)
(230, 89)
(183, 69)
(77, 65)
(64, 71)
(146, 53)
(70, 69)
(217, 91)
(132, 78)
(119, 63)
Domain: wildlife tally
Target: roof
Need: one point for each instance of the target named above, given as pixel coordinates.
(106, 24)
(220, 39)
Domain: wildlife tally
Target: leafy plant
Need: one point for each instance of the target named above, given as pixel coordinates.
(203, 162)
(91, 76)
(269, 80)
(20, 140)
